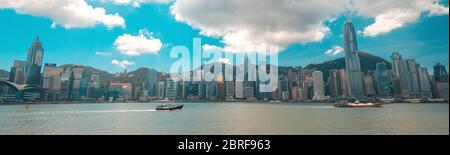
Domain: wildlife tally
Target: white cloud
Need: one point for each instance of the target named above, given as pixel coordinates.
(251, 24)
(122, 64)
(248, 25)
(224, 61)
(135, 3)
(144, 43)
(68, 13)
(334, 51)
(103, 53)
(390, 15)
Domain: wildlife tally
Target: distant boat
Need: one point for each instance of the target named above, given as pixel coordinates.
(169, 107)
(357, 104)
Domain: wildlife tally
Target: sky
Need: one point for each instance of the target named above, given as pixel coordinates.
(114, 35)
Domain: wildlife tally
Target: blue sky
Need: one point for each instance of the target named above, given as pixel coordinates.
(424, 39)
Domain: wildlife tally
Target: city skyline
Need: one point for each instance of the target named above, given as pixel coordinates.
(164, 25)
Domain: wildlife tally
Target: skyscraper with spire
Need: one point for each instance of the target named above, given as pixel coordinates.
(34, 63)
(352, 64)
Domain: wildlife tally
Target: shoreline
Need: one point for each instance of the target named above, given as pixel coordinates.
(205, 102)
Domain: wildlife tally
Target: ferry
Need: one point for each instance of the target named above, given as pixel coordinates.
(169, 107)
(357, 104)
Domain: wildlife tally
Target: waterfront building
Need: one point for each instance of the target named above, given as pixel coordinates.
(161, 89)
(401, 78)
(302, 93)
(77, 84)
(318, 85)
(381, 79)
(211, 90)
(294, 94)
(442, 90)
(124, 90)
(171, 89)
(412, 77)
(337, 83)
(239, 89)
(440, 73)
(52, 81)
(424, 82)
(369, 89)
(94, 90)
(220, 86)
(34, 63)
(150, 83)
(17, 74)
(230, 89)
(249, 90)
(352, 62)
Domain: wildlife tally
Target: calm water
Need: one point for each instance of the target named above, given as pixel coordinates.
(223, 118)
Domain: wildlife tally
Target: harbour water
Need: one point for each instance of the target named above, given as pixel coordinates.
(223, 118)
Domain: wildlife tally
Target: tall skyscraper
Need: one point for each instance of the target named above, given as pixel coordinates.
(410, 67)
(424, 82)
(34, 63)
(151, 82)
(400, 78)
(352, 63)
(440, 73)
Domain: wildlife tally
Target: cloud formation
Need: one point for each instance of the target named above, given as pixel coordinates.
(334, 51)
(122, 64)
(247, 25)
(390, 15)
(103, 53)
(135, 3)
(143, 43)
(67, 13)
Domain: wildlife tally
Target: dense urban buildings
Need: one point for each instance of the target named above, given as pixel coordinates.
(398, 79)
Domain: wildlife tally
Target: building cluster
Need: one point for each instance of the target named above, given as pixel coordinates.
(405, 79)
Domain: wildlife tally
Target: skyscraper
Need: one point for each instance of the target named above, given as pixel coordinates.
(318, 85)
(17, 74)
(171, 89)
(424, 81)
(382, 80)
(410, 67)
(337, 83)
(400, 78)
(369, 89)
(34, 63)
(440, 73)
(352, 63)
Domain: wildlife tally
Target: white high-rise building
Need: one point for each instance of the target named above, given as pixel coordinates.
(239, 89)
(317, 77)
(171, 89)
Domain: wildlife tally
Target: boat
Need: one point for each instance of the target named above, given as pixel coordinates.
(357, 104)
(169, 107)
